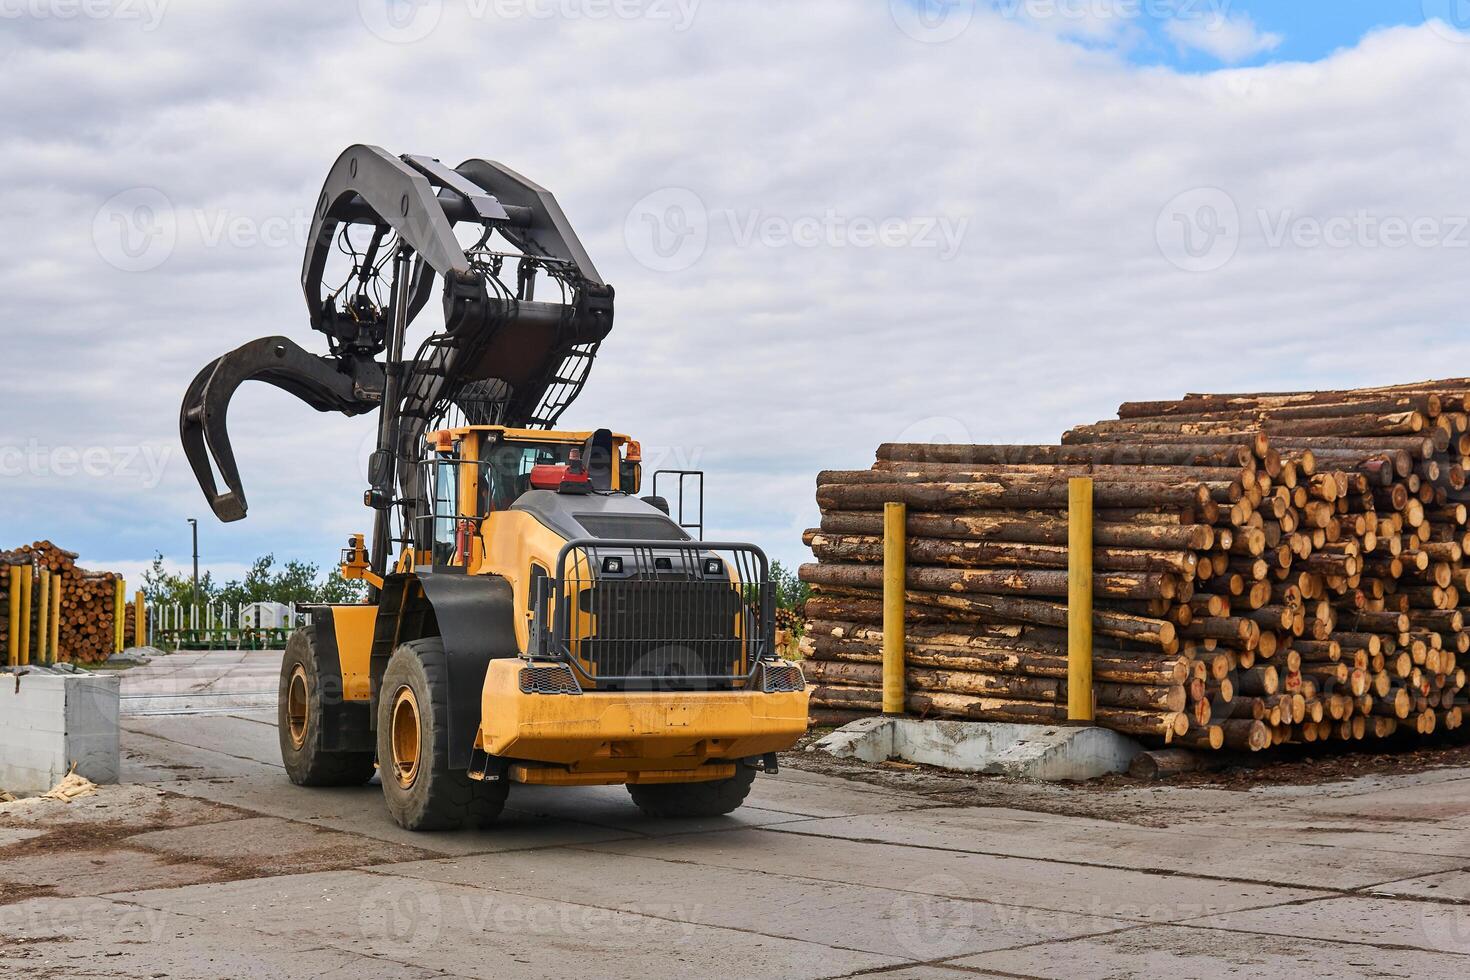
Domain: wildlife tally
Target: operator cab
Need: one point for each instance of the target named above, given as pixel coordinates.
(474, 472)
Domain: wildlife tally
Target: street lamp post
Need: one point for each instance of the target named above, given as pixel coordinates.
(194, 525)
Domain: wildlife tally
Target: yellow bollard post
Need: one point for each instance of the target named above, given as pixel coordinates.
(140, 629)
(56, 621)
(25, 614)
(119, 613)
(12, 637)
(43, 608)
(1079, 600)
(895, 560)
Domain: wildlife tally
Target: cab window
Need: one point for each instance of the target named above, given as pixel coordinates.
(446, 508)
(508, 473)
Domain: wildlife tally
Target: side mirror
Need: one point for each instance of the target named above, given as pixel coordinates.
(630, 477)
(658, 502)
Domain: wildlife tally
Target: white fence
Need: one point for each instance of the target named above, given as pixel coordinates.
(221, 626)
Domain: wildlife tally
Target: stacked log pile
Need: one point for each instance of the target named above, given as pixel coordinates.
(7, 559)
(88, 603)
(1268, 568)
(130, 621)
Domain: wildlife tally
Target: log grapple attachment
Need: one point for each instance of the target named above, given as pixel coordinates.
(386, 228)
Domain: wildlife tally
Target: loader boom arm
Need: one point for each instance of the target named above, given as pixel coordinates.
(502, 356)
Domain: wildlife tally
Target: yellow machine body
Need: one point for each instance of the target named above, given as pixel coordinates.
(614, 736)
(593, 737)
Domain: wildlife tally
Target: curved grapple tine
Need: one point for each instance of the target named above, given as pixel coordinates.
(326, 384)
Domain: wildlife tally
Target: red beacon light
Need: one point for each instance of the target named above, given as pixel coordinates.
(575, 478)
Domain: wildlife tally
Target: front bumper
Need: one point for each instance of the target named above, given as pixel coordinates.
(633, 731)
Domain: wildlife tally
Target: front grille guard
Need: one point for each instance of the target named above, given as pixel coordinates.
(628, 614)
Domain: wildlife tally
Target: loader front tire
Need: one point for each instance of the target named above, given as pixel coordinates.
(715, 798)
(421, 791)
(301, 719)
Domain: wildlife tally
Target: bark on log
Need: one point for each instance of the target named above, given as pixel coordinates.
(1008, 582)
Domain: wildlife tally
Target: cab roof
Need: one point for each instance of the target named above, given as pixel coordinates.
(511, 434)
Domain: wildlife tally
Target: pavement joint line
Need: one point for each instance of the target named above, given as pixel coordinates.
(1157, 872)
(319, 823)
(790, 768)
(270, 723)
(1345, 794)
(200, 694)
(971, 971)
(1134, 922)
(947, 962)
(1428, 874)
(386, 870)
(1335, 941)
(1232, 833)
(327, 945)
(201, 748)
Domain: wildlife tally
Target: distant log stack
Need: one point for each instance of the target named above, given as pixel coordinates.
(88, 603)
(7, 560)
(130, 623)
(1268, 568)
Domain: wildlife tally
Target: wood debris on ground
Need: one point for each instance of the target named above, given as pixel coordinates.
(71, 788)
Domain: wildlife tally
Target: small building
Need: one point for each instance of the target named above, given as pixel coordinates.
(265, 616)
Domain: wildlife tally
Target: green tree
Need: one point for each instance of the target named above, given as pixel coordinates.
(163, 588)
(791, 591)
(296, 581)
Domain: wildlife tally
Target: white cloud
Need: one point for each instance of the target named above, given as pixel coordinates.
(1231, 38)
(762, 361)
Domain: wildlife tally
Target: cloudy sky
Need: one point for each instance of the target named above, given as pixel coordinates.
(830, 224)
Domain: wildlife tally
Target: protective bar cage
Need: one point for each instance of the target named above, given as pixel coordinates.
(657, 615)
(438, 530)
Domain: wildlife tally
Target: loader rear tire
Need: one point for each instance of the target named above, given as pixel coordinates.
(421, 791)
(301, 721)
(715, 798)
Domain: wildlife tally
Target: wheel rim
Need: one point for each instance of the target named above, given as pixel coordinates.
(296, 706)
(405, 737)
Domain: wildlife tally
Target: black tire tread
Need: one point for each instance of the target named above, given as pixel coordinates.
(675, 801)
(442, 798)
(314, 765)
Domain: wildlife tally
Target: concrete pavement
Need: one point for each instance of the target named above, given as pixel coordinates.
(208, 863)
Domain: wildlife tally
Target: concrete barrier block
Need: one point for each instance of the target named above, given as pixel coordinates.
(48, 722)
(1040, 752)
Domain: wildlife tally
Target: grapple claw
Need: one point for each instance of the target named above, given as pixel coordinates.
(326, 384)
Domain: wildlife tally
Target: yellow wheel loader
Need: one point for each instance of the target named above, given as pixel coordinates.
(530, 617)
